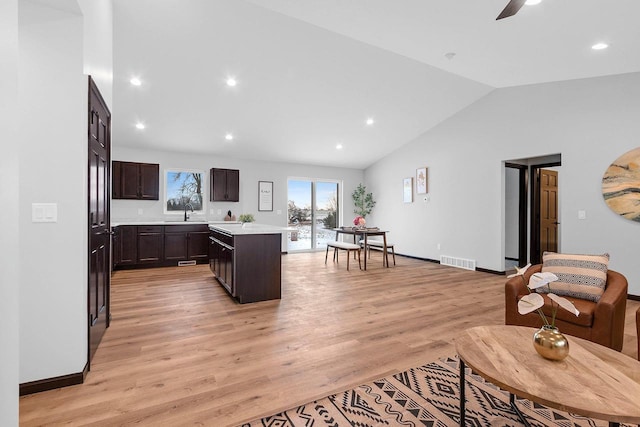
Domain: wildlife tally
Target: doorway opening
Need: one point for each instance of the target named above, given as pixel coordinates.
(532, 209)
(313, 210)
(516, 178)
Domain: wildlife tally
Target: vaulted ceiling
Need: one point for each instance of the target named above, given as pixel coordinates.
(309, 72)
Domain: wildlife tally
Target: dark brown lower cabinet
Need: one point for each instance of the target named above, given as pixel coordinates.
(124, 246)
(116, 250)
(150, 244)
(198, 245)
(221, 259)
(186, 242)
(145, 246)
(175, 243)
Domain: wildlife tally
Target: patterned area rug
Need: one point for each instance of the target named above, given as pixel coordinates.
(424, 396)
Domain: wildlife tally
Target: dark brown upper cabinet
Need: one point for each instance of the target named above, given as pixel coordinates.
(225, 185)
(139, 181)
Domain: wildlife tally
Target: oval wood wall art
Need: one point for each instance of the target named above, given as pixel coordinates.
(621, 185)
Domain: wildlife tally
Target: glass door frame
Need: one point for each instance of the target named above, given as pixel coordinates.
(314, 226)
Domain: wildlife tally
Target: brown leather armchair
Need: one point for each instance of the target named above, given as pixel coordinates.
(601, 322)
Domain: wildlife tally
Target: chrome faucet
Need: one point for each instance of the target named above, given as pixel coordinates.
(187, 206)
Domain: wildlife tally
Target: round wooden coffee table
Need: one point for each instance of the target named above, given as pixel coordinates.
(593, 381)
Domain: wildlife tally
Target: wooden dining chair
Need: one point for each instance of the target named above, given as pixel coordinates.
(378, 245)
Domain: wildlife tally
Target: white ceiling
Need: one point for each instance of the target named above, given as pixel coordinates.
(310, 72)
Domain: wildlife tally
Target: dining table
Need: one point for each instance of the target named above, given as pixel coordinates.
(363, 233)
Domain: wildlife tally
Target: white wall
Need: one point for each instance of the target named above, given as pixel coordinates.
(250, 173)
(98, 44)
(9, 214)
(590, 122)
(53, 164)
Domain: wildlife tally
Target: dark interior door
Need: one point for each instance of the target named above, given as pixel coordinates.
(544, 211)
(548, 211)
(99, 136)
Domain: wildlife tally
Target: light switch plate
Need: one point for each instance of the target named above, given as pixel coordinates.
(44, 212)
(582, 214)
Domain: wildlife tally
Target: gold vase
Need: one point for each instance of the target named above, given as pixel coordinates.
(550, 343)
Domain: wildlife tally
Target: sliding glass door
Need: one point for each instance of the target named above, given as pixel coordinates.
(313, 211)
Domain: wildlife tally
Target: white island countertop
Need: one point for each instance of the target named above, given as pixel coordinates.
(249, 228)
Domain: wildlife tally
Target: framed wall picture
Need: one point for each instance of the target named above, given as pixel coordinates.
(183, 190)
(407, 190)
(421, 181)
(265, 196)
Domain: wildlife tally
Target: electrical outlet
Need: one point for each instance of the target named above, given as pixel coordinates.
(219, 211)
(279, 212)
(140, 211)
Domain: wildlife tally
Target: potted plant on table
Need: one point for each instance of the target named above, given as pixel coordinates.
(246, 218)
(363, 202)
(548, 341)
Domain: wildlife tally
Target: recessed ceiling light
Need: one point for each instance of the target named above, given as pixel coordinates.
(599, 46)
(338, 146)
(231, 82)
(135, 81)
(532, 2)
(228, 137)
(139, 125)
(370, 121)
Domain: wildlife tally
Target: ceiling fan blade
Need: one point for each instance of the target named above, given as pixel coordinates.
(511, 9)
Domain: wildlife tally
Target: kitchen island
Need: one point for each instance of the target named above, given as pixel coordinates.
(245, 259)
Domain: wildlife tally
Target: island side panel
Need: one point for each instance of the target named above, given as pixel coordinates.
(258, 267)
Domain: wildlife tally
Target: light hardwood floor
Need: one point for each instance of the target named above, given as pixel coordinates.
(180, 352)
